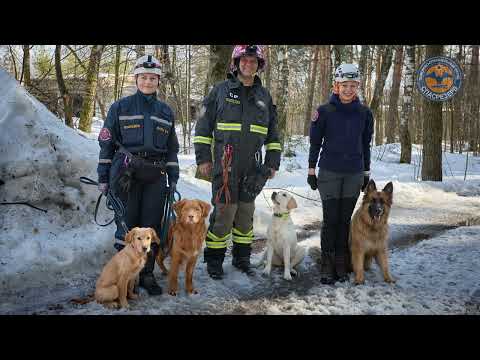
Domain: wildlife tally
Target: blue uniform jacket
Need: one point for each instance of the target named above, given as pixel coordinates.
(141, 123)
(343, 132)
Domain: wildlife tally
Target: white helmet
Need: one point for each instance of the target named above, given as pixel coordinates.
(147, 64)
(347, 72)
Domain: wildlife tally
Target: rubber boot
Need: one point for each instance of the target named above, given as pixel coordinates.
(214, 259)
(147, 280)
(342, 249)
(241, 258)
(328, 237)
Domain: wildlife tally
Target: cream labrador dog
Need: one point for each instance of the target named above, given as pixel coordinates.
(282, 248)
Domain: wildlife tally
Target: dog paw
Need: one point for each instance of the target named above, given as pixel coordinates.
(293, 272)
(133, 296)
(266, 272)
(125, 305)
(287, 276)
(192, 292)
(390, 280)
(359, 281)
(172, 292)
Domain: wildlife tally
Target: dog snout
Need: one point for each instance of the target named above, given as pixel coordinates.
(145, 248)
(274, 195)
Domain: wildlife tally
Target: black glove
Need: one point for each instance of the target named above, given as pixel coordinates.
(312, 181)
(366, 179)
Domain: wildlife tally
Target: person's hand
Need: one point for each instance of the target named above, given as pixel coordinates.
(103, 188)
(312, 181)
(272, 173)
(366, 179)
(205, 168)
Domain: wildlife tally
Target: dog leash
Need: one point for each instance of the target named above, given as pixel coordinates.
(113, 203)
(168, 217)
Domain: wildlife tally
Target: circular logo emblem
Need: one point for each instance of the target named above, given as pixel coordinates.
(439, 78)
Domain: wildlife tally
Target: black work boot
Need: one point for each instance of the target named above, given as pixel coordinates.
(241, 258)
(147, 280)
(214, 259)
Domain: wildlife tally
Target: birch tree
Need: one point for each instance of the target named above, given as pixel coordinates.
(406, 114)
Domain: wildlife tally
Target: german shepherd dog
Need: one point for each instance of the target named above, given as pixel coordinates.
(369, 232)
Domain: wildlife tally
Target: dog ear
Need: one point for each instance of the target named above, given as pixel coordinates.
(371, 186)
(178, 206)
(388, 189)
(130, 235)
(292, 204)
(205, 208)
(154, 235)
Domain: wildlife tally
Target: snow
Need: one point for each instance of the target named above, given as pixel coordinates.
(49, 258)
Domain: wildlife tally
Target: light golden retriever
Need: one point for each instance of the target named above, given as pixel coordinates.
(185, 241)
(118, 277)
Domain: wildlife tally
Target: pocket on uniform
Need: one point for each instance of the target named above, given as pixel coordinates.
(132, 131)
(161, 131)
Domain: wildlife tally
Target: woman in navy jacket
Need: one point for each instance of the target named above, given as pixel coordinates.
(343, 130)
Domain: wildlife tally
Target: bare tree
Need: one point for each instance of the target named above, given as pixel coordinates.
(218, 64)
(282, 91)
(118, 53)
(26, 67)
(386, 53)
(66, 98)
(140, 50)
(362, 67)
(432, 131)
(391, 120)
(406, 115)
(311, 90)
(86, 114)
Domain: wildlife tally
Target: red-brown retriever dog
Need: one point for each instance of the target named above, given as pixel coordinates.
(185, 240)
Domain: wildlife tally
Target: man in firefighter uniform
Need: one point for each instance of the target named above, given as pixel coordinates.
(237, 118)
(138, 148)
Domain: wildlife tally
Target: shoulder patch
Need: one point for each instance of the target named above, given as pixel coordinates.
(105, 135)
(315, 116)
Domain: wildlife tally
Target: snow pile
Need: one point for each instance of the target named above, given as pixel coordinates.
(41, 161)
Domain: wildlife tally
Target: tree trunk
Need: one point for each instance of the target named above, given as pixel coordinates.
(324, 77)
(118, 54)
(362, 68)
(86, 114)
(171, 78)
(187, 112)
(26, 66)
(66, 98)
(406, 115)
(368, 85)
(432, 131)
(14, 62)
(218, 65)
(338, 52)
(391, 119)
(473, 100)
(386, 53)
(419, 110)
(282, 91)
(458, 106)
(268, 80)
(311, 90)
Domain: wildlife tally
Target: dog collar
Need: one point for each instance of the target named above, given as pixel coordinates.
(282, 215)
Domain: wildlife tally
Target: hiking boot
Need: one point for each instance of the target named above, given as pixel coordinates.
(327, 269)
(147, 280)
(214, 268)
